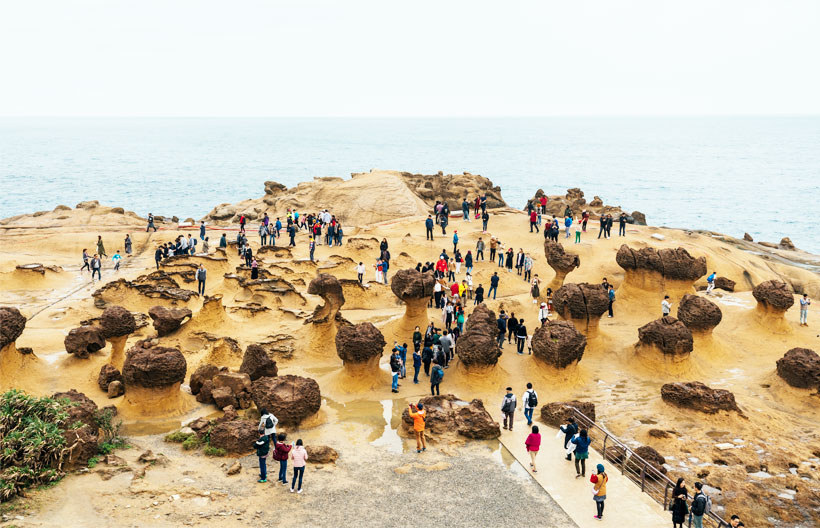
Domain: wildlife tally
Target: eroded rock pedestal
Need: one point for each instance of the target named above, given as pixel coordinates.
(117, 324)
(560, 261)
(583, 304)
(800, 367)
(699, 314)
(330, 290)
(152, 377)
(478, 346)
(774, 298)
(360, 347)
(414, 289)
(12, 360)
(558, 343)
(658, 272)
(290, 398)
(666, 335)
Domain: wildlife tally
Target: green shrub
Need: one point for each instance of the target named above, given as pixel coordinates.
(191, 443)
(93, 461)
(178, 437)
(213, 451)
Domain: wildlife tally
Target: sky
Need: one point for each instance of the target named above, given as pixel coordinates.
(444, 58)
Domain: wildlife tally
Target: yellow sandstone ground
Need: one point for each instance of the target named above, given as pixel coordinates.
(781, 430)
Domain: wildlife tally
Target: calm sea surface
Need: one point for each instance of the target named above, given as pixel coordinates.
(754, 174)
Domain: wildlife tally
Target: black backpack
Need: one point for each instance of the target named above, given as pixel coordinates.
(532, 400)
(268, 423)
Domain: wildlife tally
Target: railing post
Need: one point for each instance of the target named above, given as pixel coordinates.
(605, 438)
(643, 477)
(623, 462)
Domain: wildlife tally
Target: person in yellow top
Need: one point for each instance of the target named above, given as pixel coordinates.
(462, 289)
(599, 481)
(418, 414)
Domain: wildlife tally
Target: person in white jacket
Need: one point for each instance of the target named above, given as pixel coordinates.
(543, 313)
(267, 424)
(530, 402)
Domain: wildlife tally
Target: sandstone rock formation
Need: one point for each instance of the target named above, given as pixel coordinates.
(360, 344)
(168, 320)
(107, 375)
(330, 290)
(668, 335)
(116, 321)
(321, 454)
(155, 285)
(235, 436)
(726, 284)
(290, 398)
(230, 389)
(697, 396)
(448, 414)
(257, 364)
(153, 367)
(560, 261)
(84, 438)
(774, 295)
(674, 264)
(414, 289)
(638, 218)
(556, 413)
(115, 388)
(699, 313)
(583, 304)
(203, 373)
(478, 346)
(84, 341)
(787, 244)
(558, 343)
(800, 367)
(12, 323)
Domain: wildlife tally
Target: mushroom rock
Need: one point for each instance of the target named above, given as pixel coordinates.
(116, 321)
(668, 335)
(558, 343)
(560, 261)
(235, 436)
(699, 313)
(203, 373)
(638, 218)
(726, 284)
(290, 398)
(12, 323)
(773, 296)
(330, 290)
(107, 375)
(800, 367)
(84, 341)
(257, 364)
(786, 243)
(152, 377)
(748, 238)
(448, 414)
(168, 320)
(360, 344)
(414, 289)
(478, 345)
(557, 413)
(699, 397)
(675, 268)
(583, 304)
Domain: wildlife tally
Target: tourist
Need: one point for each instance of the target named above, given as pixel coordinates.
(263, 234)
(578, 231)
(206, 247)
(533, 443)
(100, 247)
(292, 234)
(468, 280)
(278, 226)
(585, 219)
(435, 379)
(605, 284)
(458, 259)
(201, 275)
(493, 247)
(85, 261)
(805, 302)
(512, 326)
(446, 344)
(299, 456)
(609, 226)
(602, 226)
(666, 306)
(528, 264)
(710, 283)
(508, 408)
(485, 218)
(549, 300)
(223, 240)
(311, 247)
(509, 260)
(443, 222)
(96, 266)
(418, 414)
(521, 337)
(679, 507)
(455, 241)
(242, 221)
(402, 349)
(438, 293)
(416, 364)
(735, 521)
(128, 245)
(360, 269)
(519, 261)
(611, 294)
(534, 221)
(379, 267)
(567, 224)
(262, 449)
(581, 443)
(158, 255)
(428, 225)
(535, 288)
(451, 270)
(151, 223)
(281, 450)
(500, 254)
(417, 338)
(530, 401)
(479, 249)
(599, 481)
(395, 368)
(493, 284)
(569, 429)
(501, 322)
(191, 245)
(479, 295)
(543, 313)
(543, 203)
(427, 355)
(465, 209)
(468, 262)
(116, 260)
(701, 505)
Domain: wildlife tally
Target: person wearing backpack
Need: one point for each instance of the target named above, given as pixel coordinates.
(262, 449)
(530, 399)
(508, 408)
(395, 368)
(701, 505)
(281, 451)
(435, 379)
(267, 424)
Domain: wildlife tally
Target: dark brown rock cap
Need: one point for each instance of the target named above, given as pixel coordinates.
(581, 301)
(676, 264)
(699, 313)
(359, 343)
(409, 284)
(12, 323)
(478, 345)
(290, 398)
(84, 341)
(153, 367)
(558, 259)
(168, 320)
(775, 294)
(699, 397)
(668, 334)
(328, 288)
(558, 343)
(557, 413)
(257, 364)
(800, 367)
(116, 321)
(447, 414)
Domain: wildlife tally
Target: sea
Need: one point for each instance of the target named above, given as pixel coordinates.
(732, 175)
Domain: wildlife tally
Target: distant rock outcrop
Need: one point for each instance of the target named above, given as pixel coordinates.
(558, 343)
(478, 346)
(675, 264)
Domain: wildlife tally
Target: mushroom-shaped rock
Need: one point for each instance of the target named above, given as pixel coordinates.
(203, 373)
(668, 334)
(774, 295)
(724, 283)
(153, 367)
(560, 261)
(800, 367)
(675, 264)
(108, 374)
(12, 323)
(478, 345)
(556, 413)
(361, 343)
(167, 320)
(414, 288)
(558, 343)
(330, 290)
(290, 398)
(257, 364)
(235, 436)
(581, 302)
(699, 313)
(116, 321)
(699, 397)
(448, 414)
(84, 341)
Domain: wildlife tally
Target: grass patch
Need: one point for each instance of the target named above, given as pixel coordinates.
(191, 442)
(213, 451)
(93, 461)
(178, 437)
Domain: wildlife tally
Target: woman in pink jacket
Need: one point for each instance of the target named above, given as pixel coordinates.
(299, 457)
(533, 443)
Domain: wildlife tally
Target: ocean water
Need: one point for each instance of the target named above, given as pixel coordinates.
(759, 175)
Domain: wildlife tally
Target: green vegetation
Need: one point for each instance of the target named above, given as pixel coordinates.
(178, 437)
(191, 442)
(93, 461)
(213, 451)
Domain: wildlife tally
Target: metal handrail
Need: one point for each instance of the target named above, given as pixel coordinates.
(651, 480)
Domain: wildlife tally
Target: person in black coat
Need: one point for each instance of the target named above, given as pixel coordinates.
(679, 507)
(569, 430)
(427, 356)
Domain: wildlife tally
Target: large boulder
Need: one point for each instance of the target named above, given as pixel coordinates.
(448, 414)
(116, 321)
(699, 313)
(360, 343)
(668, 334)
(203, 373)
(84, 341)
(82, 409)
(414, 288)
(153, 367)
(651, 456)
(581, 301)
(699, 397)
(290, 398)
(774, 294)
(800, 367)
(108, 374)
(330, 290)
(558, 343)
(231, 388)
(556, 413)
(638, 218)
(257, 364)
(725, 283)
(478, 345)
(321, 454)
(236, 436)
(12, 323)
(558, 259)
(168, 320)
(675, 264)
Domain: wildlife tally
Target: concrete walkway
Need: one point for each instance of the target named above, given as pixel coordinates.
(625, 506)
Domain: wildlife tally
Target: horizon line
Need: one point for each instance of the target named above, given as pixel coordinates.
(543, 116)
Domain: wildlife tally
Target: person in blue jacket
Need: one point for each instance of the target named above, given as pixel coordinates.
(416, 365)
(455, 241)
(568, 224)
(429, 225)
(581, 442)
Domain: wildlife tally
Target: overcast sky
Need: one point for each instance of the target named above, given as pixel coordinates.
(385, 58)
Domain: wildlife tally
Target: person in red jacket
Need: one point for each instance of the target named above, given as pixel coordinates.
(533, 444)
(441, 268)
(534, 221)
(281, 451)
(543, 202)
